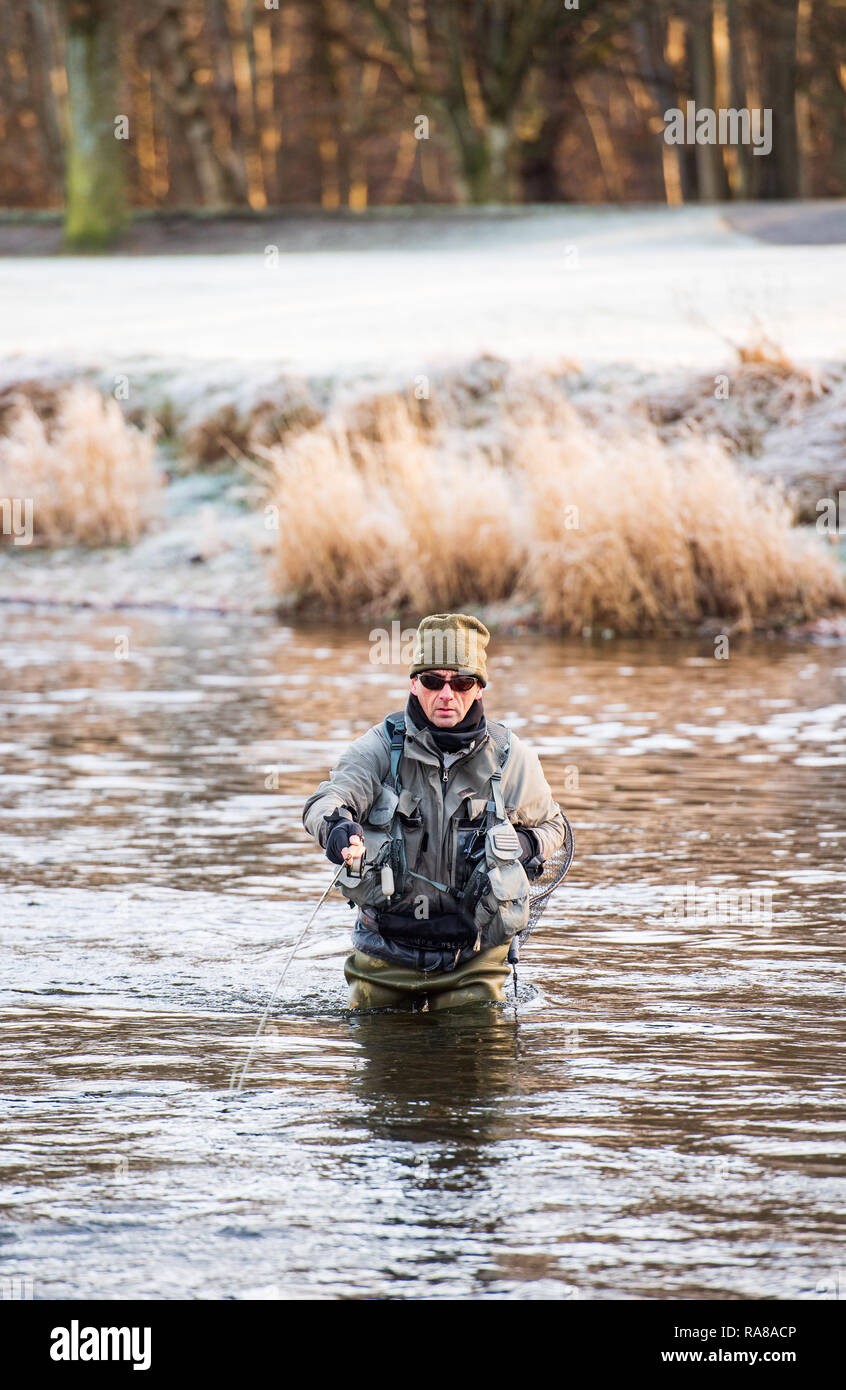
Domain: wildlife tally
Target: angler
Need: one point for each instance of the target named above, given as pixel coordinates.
(442, 818)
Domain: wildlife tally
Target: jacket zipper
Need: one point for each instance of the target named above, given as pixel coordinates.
(444, 780)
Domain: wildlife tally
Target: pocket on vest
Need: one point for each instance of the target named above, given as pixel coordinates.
(504, 908)
(411, 825)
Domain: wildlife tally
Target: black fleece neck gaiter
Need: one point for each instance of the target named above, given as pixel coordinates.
(460, 736)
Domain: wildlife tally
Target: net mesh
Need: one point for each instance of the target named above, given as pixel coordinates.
(553, 874)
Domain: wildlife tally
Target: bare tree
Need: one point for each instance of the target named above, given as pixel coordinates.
(241, 103)
(711, 176)
(468, 65)
(166, 45)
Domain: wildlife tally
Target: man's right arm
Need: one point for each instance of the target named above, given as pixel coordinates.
(355, 784)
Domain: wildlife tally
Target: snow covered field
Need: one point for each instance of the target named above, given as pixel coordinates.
(651, 287)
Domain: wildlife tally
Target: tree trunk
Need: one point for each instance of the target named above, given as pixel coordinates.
(51, 130)
(804, 66)
(603, 144)
(226, 93)
(186, 99)
(741, 179)
(332, 121)
(485, 158)
(538, 172)
(95, 201)
(657, 77)
(780, 178)
(710, 174)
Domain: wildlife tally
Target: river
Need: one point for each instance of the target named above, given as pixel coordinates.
(659, 1114)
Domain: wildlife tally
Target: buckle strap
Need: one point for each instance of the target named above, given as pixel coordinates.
(496, 805)
(396, 728)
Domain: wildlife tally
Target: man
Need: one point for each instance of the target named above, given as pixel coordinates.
(440, 816)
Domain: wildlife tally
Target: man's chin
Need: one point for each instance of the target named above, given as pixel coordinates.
(446, 718)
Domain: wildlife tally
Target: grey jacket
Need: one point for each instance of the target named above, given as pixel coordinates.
(435, 804)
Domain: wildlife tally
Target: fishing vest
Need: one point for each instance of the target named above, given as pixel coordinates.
(487, 892)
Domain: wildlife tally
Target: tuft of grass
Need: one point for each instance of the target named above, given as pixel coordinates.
(763, 352)
(666, 538)
(374, 515)
(91, 476)
(589, 523)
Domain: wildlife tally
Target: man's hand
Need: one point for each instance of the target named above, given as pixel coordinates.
(354, 850)
(530, 858)
(345, 842)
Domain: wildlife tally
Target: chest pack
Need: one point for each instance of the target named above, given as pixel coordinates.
(498, 830)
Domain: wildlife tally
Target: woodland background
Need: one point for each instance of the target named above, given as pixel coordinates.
(235, 104)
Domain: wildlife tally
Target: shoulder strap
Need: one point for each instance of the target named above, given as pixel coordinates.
(500, 736)
(395, 731)
(496, 805)
(505, 751)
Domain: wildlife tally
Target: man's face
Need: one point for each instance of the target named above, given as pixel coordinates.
(445, 707)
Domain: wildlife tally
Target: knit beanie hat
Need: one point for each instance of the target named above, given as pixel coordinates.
(451, 642)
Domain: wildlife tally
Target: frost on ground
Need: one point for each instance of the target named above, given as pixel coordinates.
(461, 493)
(206, 550)
(652, 287)
(653, 325)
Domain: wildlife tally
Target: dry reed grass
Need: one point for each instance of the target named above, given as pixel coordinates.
(665, 539)
(91, 476)
(385, 510)
(376, 517)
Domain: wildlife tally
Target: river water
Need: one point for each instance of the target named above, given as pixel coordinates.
(659, 1114)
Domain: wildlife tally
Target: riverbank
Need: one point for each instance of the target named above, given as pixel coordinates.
(256, 351)
(231, 514)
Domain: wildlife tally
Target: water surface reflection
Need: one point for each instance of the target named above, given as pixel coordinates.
(663, 1114)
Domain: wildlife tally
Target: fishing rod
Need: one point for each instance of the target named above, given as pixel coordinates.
(236, 1087)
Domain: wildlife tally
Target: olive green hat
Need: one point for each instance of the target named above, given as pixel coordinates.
(451, 642)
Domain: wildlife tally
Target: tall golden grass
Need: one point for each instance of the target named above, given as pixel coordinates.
(666, 539)
(586, 521)
(91, 476)
(373, 517)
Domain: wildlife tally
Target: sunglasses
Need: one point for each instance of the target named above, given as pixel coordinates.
(460, 684)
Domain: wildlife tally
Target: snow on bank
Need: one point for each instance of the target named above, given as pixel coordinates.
(232, 349)
(654, 287)
(208, 551)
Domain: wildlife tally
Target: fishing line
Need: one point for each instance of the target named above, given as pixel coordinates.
(278, 985)
(554, 872)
